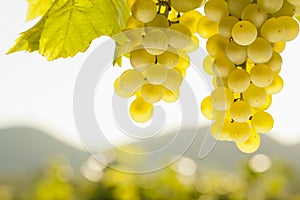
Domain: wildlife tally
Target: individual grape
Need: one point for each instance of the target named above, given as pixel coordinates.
(236, 53)
(155, 42)
(273, 30)
(207, 28)
(156, 74)
(276, 86)
(171, 96)
(244, 33)
(260, 51)
(131, 80)
(254, 14)
(238, 80)
(140, 59)
(215, 10)
(261, 75)
(221, 98)
(220, 130)
(270, 6)
(186, 5)
(226, 24)
(251, 144)
(223, 67)
(294, 2)
(169, 58)
(237, 6)
(291, 28)
(193, 46)
(239, 131)
(279, 46)
(144, 10)
(262, 122)
(159, 21)
(255, 96)
(220, 82)
(287, 9)
(275, 62)
(191, 19)
(209, 112)
(208, 65)
(152, 93)
(266, 104)
(120, 91)
(132, 22)
(173, 79)
(215, 45)
(140, 110)
(179, 36)
(240, 111)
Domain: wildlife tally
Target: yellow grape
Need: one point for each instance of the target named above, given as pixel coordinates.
(169, 58)
(156, 74)
(219, 82)
(221, 98)
(140, 110)
(294, 2)
(255, 96)
(226, 24)
(207, 28)
(251, 144)
(266, 104)
(291, 28)
(120, 91)
(223, 67)
(184, 60)
(244, 33)
(220, 130)
(261, 75)
(237, 6)
(270, 6)
(155, 42)
(140, 59)
(215, 45)
(152, 93)
(171, 96)
(159, 20)
(179, 36)
(173, 79)
(208, 65)
(260, 51)
(236, 53)
(209, 112)
(131, 80)
(249, 65)
(273, 30)
(239, 131)
(191, 19)
(144, 10)
(130, 3)
(215, 10)
(279, 46)
(132, 22)
(238, 80)
(186, 5)
(254, 14)
(275, 62)
(287, 9)
(240, 111)
(193, 46)
(276, 85)
(262, 122)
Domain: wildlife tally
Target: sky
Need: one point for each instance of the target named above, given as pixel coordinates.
(38, 93)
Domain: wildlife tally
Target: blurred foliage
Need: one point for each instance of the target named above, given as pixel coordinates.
(57, 181)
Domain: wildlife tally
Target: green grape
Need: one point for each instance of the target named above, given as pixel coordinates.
(171, 96)
(179, 36)
(261, 75)
(238, 80)
(215, 10)
(169, 58)
(244, 33)
(155, 42)
(240, 111)
(275, 62)
(270, 6)
(251, 144)
(152, 93)
(221, 98)
(219, 82)
(222, 66)
(262, 122)
(159, 20)
(273, 30)
(140, 59)
(237, 6)
(209, 112)
(226, 24)
(140, 110)
(208, 65)
(144, 10)
(260, 51)
(173, 79)
(215, 45)
(186, 5)
(279, 46)
(207, 28)
(266, 104)
(239, 131)
(220, 130)
(254, 14)
(291, 28)
(132, 22)
(294, 2)
(191, 19)
(120, 91)
(287, 9)
(193, 46)
(255, 96)
(236, 53)
(276, 85)
(131, 80)
(156, 74)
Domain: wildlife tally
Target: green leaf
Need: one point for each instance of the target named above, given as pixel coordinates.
(37, 8)
(69, 27)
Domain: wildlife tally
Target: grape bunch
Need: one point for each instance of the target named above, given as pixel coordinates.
(244, 42)
(159, 36)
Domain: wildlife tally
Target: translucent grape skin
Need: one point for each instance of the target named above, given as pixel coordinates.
(262, 122)
(221, 98)
(261, 75)
(254, 14)
(244, 33)
(140, 110)
(144, 10)
(155, 41)
(131, 80)
(260, 51)
(238, 80)
(236, 53)
(240, 111)
(179, 36)
(273, 30)
(207, 28)
(255, 96)
(215, 10)
(239, 131)
(251, 144)
(156, 74)
(187, 5)
(152, 93)
(226, 24)
(140, 59)
(270, 6)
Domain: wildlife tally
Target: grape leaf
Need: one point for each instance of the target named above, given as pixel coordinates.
(69, 27)
(37, 8)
